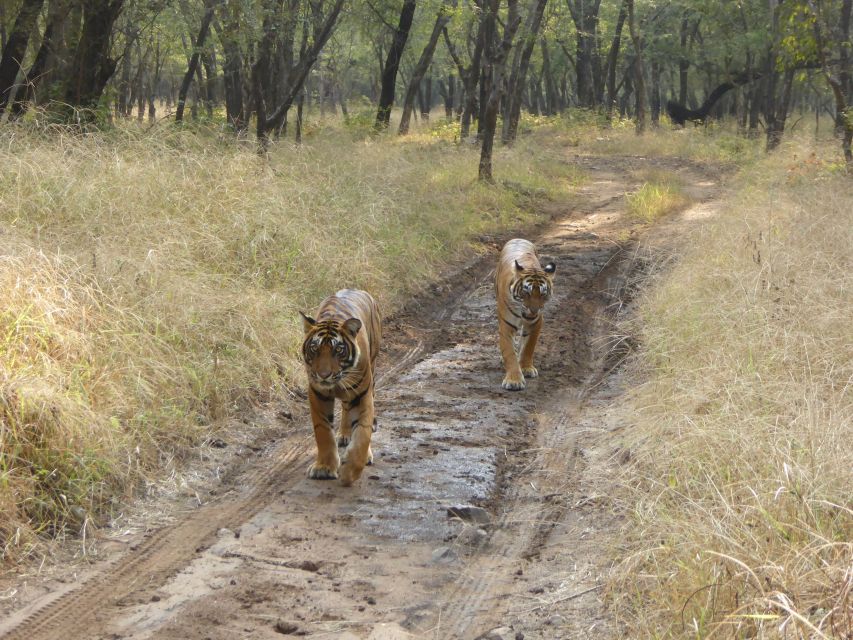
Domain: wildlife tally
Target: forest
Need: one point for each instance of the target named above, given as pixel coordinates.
(183, 178)
(258, 65)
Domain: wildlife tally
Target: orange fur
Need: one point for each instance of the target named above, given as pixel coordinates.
(522, 287)
(340, 348)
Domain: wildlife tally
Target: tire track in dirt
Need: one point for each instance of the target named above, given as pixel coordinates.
(160, 554)
(527, 518)
(532, 508)
(73, 612)
(544, 494)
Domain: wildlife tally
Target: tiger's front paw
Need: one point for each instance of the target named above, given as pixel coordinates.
(349, 474)
(319, 471)
(369, 457)
(530, 372)
(513, 383)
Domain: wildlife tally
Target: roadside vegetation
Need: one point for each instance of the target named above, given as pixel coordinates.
(740, 487)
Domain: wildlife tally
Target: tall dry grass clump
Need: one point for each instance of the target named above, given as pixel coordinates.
(742, 484)
(150, 282)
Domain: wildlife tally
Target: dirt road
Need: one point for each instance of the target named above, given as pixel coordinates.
(275, 554)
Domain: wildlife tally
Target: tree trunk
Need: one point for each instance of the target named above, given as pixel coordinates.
(233, 65)
(2, 26)
(123, 97)
(342, 98)
(16, 48)
(773, 110)
(585, 16)
(496, 56)
(449, 97)
(154, 82)
(206, 19)
(421, 67)
(776, 121)
(518, 79)
(684, 60)
(843, 109)
(469, 76)
(209, 89)
(299, 105)
(639, 79)
(45, 68)
(392, 64)
(844, 85)
(655, 101)
(612, 58)
(548, 80)
(323, 27)
(92, 67)
(426, 107)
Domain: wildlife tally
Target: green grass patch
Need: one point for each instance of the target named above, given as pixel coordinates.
(655, 199)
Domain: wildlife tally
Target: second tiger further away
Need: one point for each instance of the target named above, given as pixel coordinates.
(340, 348)
(522, 287)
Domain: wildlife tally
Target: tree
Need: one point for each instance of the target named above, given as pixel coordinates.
(209, 7)
(518, 76)
(840, 82)
(470, 75)
(420, 69)
(92, 67)
(587, 62)
(496, 52)
(288, 84)
(612, 57)
(392, 64)
(639, 77)
(16, 47)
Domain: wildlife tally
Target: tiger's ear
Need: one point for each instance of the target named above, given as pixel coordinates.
(550, 267)
(518, 267)
(352, 325)
(307, 322)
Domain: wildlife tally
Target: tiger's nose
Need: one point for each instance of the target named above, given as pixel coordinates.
(325, 375)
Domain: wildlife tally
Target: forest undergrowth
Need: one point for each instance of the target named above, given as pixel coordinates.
(739, 490)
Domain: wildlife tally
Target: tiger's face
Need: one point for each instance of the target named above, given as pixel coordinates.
(329, 349)
(532, 288)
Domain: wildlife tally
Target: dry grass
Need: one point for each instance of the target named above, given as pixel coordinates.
(150, 284)
(742, 489)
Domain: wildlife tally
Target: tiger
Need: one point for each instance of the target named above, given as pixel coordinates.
(339, 349)
(522, 287)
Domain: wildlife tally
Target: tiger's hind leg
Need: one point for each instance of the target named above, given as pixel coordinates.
(527, 349)
(359, 453)
(326, 465)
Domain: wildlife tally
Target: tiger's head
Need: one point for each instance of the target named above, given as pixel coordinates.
(531, 288)
(329, 349)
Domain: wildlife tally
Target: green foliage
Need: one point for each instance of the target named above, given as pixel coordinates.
(656, 198)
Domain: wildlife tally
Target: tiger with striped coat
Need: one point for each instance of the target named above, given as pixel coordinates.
(522, 287)
(340, 348)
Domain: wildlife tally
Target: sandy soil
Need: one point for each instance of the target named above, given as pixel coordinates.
(485, 515)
